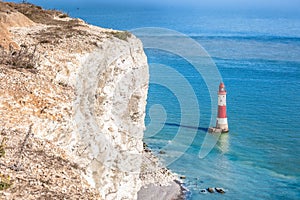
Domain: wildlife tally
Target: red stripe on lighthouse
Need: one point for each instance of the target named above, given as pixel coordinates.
(222, 112)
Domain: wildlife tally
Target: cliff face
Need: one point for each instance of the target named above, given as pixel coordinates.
(85, 93)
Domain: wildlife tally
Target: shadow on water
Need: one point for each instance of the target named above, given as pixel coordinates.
(185, 126)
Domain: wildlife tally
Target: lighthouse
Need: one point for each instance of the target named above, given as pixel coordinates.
(221, 124)
(222, 117)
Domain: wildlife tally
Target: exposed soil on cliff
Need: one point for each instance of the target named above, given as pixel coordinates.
(22, 15)
(9, 17)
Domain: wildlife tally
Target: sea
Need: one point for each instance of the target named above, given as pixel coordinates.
(257, 56)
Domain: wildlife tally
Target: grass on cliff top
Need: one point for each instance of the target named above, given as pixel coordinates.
(37, 14)
(122, 35)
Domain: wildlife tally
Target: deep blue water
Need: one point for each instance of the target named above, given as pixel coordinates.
(258, 57)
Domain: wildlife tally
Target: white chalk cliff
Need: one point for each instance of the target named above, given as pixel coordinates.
(86, 94)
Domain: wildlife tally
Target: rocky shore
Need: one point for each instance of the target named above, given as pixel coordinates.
(72, 108)
(158, 181)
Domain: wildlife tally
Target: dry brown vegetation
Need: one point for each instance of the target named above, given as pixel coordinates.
(58, 28)
(25, 57)
(33, 12)
(47, 17)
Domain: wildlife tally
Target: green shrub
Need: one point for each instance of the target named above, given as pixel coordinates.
(122, 35)
(5, 182)
(2, 147)
(63, 15)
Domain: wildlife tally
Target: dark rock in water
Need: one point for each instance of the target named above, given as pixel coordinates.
(162, 152)
(203, 191)
(210, 190)
(220, 190)
(182, 177)
(145, 145)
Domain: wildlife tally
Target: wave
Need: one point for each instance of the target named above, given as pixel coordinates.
(257, 60)
(264, 38)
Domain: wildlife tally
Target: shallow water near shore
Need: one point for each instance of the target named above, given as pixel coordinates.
(258, 58)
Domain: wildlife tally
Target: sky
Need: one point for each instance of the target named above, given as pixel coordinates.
(226, 3)
(261, 5)
(287, 4)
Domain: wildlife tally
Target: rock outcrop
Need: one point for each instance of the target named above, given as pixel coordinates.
(85, 95)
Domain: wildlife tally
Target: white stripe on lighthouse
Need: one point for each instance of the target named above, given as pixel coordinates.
(221, 100)
(222, 120)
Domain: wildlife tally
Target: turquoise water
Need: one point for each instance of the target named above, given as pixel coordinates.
(258, 56)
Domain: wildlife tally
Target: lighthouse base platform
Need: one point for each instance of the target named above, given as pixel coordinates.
(217, 130)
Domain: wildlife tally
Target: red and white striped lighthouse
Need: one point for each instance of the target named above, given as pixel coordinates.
(222, 117)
